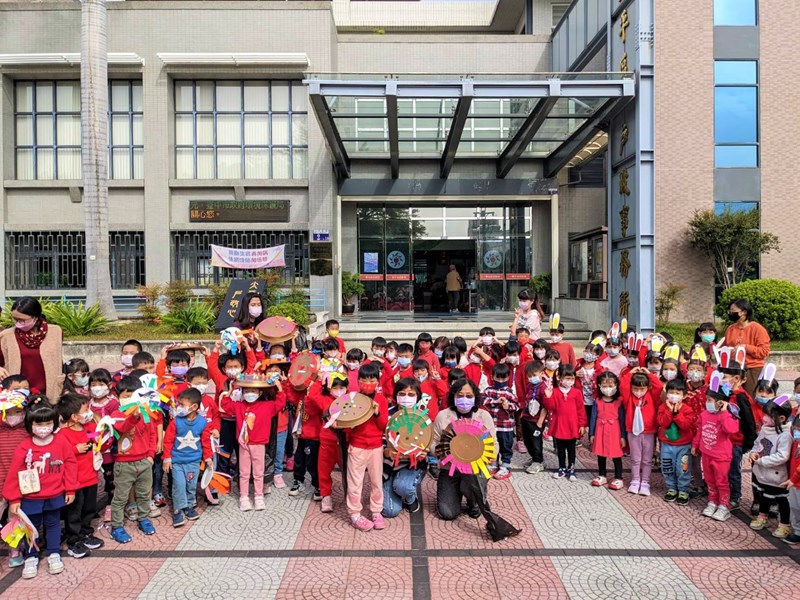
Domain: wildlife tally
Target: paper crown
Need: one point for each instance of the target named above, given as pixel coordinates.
(257, 380)
(555, 320)
(780, 404)
(232, 339)
(768, 373)
(673, 353)
(731, 361)
(698, 354)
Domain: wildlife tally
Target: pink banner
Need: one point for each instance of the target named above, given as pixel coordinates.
(260, 258)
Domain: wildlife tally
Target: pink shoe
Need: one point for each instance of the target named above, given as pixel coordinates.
(361, 522)
(259, 503)
(377, 521)
(617, 484)
(279, 482)
(327, 504)
(521, 447)
(245, 504)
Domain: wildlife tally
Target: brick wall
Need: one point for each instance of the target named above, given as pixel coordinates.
(684, 147)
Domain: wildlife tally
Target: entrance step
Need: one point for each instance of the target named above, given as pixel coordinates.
(359, 330)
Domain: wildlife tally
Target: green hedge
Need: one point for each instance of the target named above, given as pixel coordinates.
(291, 310)
(776, 305)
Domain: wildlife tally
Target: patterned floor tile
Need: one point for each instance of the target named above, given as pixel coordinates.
(126, 578)
(346, 578)
(735, 578)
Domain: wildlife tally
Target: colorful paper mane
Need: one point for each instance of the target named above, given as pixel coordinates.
(476, 429)
(232, 339)
(18, 528)
(261, 378)
(404, 422)
(146, 402)
(9, 400)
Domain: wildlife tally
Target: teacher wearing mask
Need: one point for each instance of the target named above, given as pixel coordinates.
(752, 336)
(33, 348)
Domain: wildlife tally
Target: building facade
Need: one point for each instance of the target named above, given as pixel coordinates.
(392, 139)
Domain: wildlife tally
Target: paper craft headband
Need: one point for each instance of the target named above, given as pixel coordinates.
(333, 376)
(232, 339)
(780, 404)
(656, 344)
(555, 320)
(731, 361)
(673, 353)
(257, 380)
(623, 326)
(767, 373)
(635, 342)
(12, 399)
(614, 332)
(714, 387)
(699, 355)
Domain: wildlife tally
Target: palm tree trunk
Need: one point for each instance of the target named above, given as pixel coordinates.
(94, 152)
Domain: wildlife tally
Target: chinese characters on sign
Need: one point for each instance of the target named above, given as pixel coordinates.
(624, 304)
(260, 258)
(624, 263)
(237, 290)
(239, 211)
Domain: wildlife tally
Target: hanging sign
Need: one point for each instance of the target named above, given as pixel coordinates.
(260, 258)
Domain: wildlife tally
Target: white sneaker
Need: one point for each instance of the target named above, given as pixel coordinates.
(54, 564)
(709, 510)
(722, 513)
(534, 468)
(154, 510)
(31, 568)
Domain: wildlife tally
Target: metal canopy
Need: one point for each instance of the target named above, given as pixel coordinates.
(506, 118)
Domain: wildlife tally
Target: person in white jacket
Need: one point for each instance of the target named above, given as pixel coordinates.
(770, 459)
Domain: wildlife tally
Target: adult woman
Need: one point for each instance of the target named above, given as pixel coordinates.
(34, 348)
(462, 403)
(745, 332)
(251, 313)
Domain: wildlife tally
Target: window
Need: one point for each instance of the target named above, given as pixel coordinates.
(240, 130)
(125, 130)
(736, 113)
(722, 207)
(48, 129)
(192, 254)
(559, 10)
(735, 12)
(57, 260)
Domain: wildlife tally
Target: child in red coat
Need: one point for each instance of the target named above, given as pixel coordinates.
(641, 395)
(676, 427)
(323, 394)
(607, 429)
(568, 422)
(793, 483)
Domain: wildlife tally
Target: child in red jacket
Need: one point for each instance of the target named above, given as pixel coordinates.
(78, 430)
(607, 429)
(641, 395)
(676, 426)
(323, 394)
(255, 401)
(793, 483)
(306, 455)
(51, 461)
(564, 404)
(365, 454)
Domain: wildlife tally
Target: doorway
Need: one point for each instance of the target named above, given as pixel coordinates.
(432, 260)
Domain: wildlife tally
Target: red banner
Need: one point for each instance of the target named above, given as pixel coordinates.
(518, 276)
(370, 277)
(400, 277)
(491, 277)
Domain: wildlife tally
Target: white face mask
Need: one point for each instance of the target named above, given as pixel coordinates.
(201, 387)
(673, 398)
(282, 356)
(524, 304)
(250, 396)
(338, 392)
(391, 356)
(669, 375)
(552, 365)
(567, 385)
(126, 360)
(353, 366)
(512, 360)
(589, 357)
(608, 391)
(255, 311)
(377, 352)
(98, 391)
(406, 401)
(332, 353)
(421, 378)
(556, 338)
(640, 393)
(487, 340)
(233, 373)
(14, 420)
(475, 358)
(539, 353)
(86, 417)
(42, 431)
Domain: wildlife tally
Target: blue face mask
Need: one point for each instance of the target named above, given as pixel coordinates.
(450, 363)
(711, 407)
(499, 385)
(708, 337)
(535, 380)
(726, 388)
(796, 434)
(403, 361)
(762, 401)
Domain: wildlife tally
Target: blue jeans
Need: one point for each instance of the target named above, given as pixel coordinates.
(735, 474)
(676, 466)
(280, 451)
(184, 485)
(400, 487)
(505, 439)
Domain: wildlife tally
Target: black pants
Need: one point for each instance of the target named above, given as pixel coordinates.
(532, 438)
(305, 461)
(108, 480)
(601, 467)
(454, 298)
(450, 490)
(228, 444)
(78, 515)
(566, 452)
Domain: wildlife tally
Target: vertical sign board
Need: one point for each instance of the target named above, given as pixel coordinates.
(631, 191)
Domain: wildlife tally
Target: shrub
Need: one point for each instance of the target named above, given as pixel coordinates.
(776, 305)
(295, 295)
(271, 278)
(290, 310)
(195, 316)
(667, 300)
(351, 286)
(178, 294)
(216, 295)
(76, 319)
(150, 310)
(542, 284)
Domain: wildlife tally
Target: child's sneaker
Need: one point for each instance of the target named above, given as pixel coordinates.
(721, 514)
(560, 474)
(782, 531)
(78, 550)
(119, 535)
(671, 496)
(709, 510)
(159, 500)
(792, 539)
(521, 447)
(178, 520)
(54, 564)
(31, 568)
(644, 489)
(278, 481)
(377, 521)
(317, 495)
(571, 475)
(191, 513)
(534, 468)
(502, 473)
(92, 542)
(15, 558)
(493, 468)
(259, 503)
(599, 481)
(297, 488)
(107, 514)
(683, 499)
(361, 523)
(154, 510)
(617, 484)
(327, 504)
(131, 512)
(245, 504)
(146, 527)
(759, 523)
(633, 488)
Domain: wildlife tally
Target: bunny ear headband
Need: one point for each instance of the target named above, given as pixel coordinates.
(714, 384)
(698, 354)
(768, 373)
(780, 404)
(731, 362)
(673, 352)
(555, 320)
(656, 344)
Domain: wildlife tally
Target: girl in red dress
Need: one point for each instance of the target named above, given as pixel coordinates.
(607, 429)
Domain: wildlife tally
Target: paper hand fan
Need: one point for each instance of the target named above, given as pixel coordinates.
(410, 434)
(468, 447)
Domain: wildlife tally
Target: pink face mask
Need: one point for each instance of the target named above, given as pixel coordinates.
(25, 326)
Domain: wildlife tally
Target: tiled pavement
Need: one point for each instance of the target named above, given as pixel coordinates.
(576, 542)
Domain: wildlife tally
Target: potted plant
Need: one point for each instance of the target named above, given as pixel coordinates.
(352, 289)
(542, 285)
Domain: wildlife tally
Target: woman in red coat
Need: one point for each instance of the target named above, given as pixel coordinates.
(567, 418)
